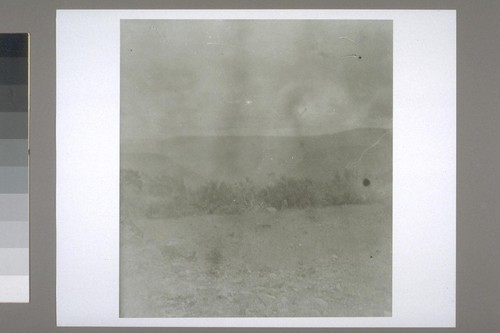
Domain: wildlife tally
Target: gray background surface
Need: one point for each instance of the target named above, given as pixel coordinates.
(478, 184)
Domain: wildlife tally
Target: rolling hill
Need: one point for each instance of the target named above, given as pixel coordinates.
(196, 159)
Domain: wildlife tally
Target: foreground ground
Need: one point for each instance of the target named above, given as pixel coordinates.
(334, 261)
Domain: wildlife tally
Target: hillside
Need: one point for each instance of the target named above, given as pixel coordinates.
(152, 164)
(261, 158)
(334, 261)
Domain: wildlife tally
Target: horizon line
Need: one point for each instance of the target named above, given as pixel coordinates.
(261, 135)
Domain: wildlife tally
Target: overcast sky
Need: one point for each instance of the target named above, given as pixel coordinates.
(251, 77)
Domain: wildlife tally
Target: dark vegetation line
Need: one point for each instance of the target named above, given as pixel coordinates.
(168, 197)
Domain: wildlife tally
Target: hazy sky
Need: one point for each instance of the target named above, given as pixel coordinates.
(251, 77)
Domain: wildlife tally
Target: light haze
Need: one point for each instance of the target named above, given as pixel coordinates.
(247, 77)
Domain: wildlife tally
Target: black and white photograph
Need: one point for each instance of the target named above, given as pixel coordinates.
(256, 161)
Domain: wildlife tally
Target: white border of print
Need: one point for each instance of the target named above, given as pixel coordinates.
(88, 111)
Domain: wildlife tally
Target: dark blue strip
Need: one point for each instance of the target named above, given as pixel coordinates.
(14, 45)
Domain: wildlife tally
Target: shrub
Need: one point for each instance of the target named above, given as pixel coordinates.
(223, 198)
(288, 192)
(162, 186)
(131, 186)
(211, 197)
(167, 197)
(130, 179)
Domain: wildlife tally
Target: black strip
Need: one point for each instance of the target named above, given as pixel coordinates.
(14, 45)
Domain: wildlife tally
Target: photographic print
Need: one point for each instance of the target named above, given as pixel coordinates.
(256, 163)
(256, 168)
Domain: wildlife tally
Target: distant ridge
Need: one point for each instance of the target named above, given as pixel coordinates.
(231, 158)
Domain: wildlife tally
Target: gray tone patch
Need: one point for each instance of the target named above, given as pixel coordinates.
(14, 45)
(13, 152)
(14, 261)
(13, 70)
(14, 207)
(14, 98)
(13, 125)
(14, 234)
(13, 179)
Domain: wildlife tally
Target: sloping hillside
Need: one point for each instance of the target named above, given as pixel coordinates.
(334, 261)
(152, 164)
(261, 158)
